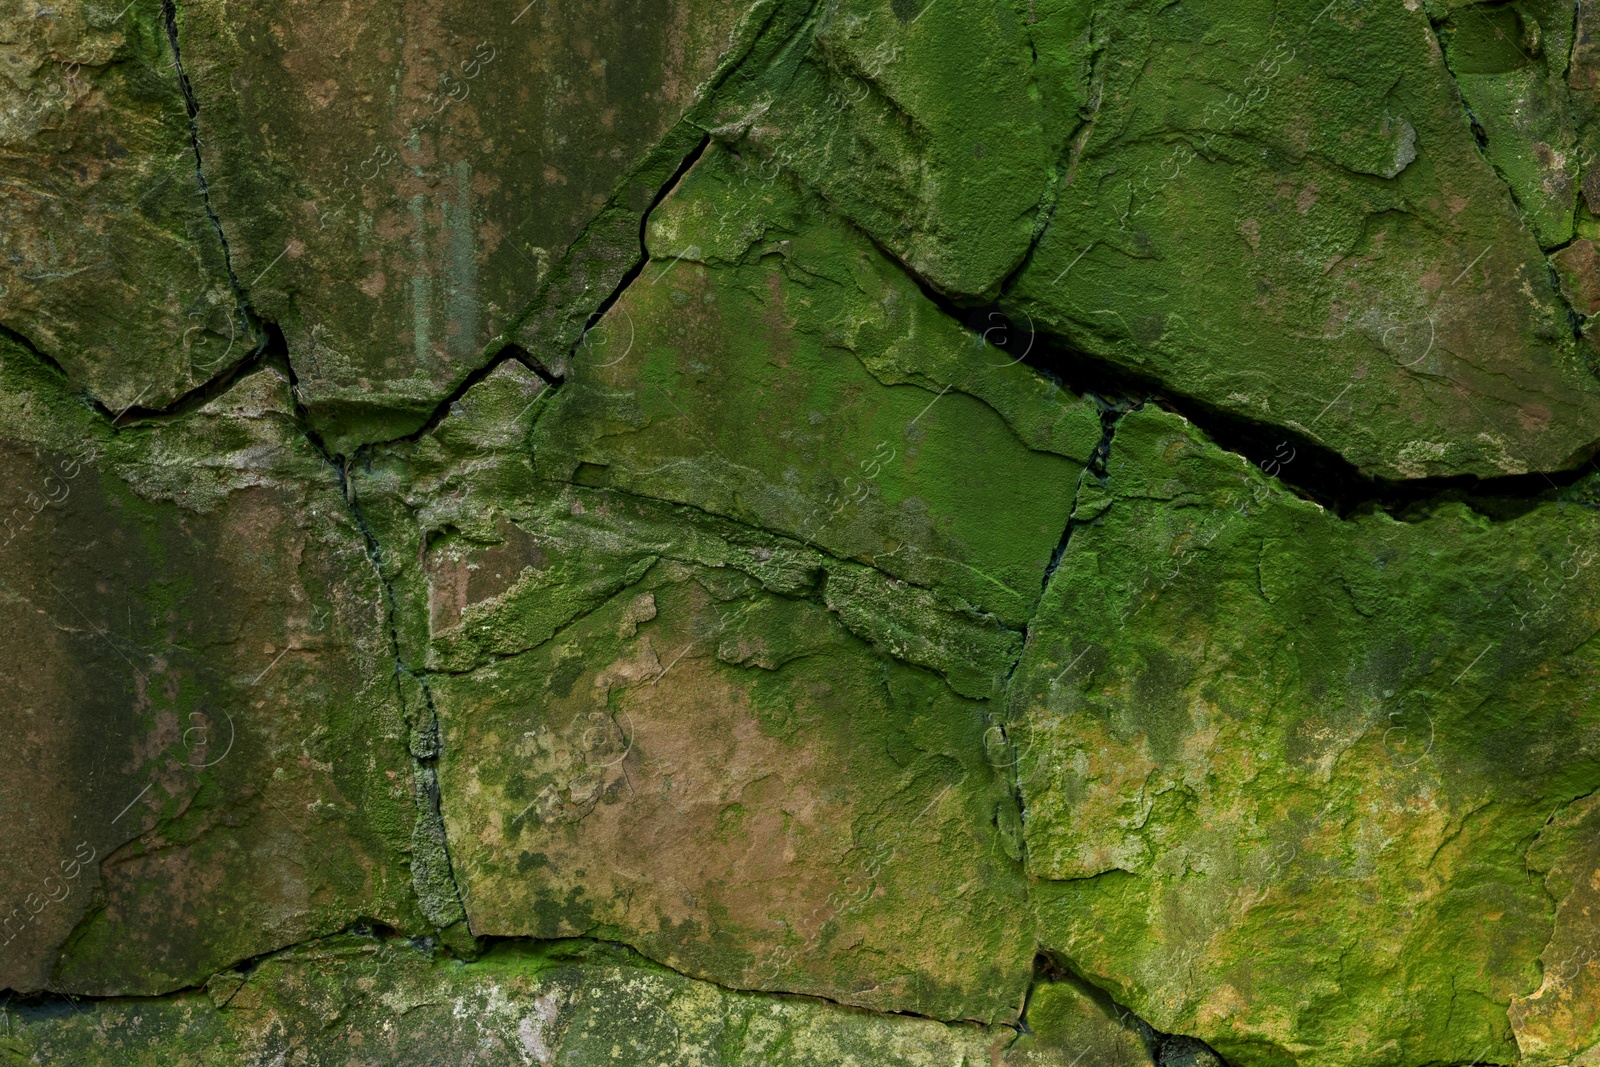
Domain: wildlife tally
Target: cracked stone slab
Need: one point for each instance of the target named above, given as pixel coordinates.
(1284, 216)
(1559, 1022)
(398, 177)
(575, 1004)
(108, 263)
(732, 782)
(1511, 62)
(655, 720)
(770, 366)
(1281, 771)
(211, 761)
(489, 581)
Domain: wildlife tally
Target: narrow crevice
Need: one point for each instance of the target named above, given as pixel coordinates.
(1111, 413)
(49, 997)
(1480, 136)
(270, 351)
(633, 272)
(512, 352)
(642, 961)
(425, 744)
(302, 419)
(618, 953)
(22, 342)
(83, 395)
(1318, 473)
(1064, 168)
(1165, 1050)
(191, 104)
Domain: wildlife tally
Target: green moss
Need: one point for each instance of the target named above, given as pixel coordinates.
(1284, 215)
(765, 405)
(1271, 759)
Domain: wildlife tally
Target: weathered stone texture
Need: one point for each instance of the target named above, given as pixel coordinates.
(734, 532)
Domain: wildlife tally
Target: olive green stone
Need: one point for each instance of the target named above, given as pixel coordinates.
(1284, 775)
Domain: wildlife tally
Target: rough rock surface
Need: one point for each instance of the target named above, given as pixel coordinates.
(774, 532)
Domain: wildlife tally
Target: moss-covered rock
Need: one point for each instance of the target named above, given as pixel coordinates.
(1286, 777)
(629, 594)
(108, 261)
(404, 183)
(1283, 215)
(772, 367)
(1511, 61)
(211, 757)
(363, 999)
(922, 123)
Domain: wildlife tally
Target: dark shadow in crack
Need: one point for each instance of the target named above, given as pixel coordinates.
(1166, 1050)
(1315, 471)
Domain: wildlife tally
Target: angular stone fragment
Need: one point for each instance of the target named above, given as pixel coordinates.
(1283, 215)
(401, 180)
(1578, 269)
(211, 758)
(1510, 62)
(730, 781)
(1560, 1021)
(108, 263)
(1281, 771)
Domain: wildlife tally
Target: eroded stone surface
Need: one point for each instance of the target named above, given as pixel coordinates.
(776, 611)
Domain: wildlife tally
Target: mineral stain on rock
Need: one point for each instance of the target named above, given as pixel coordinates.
(736, 532)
